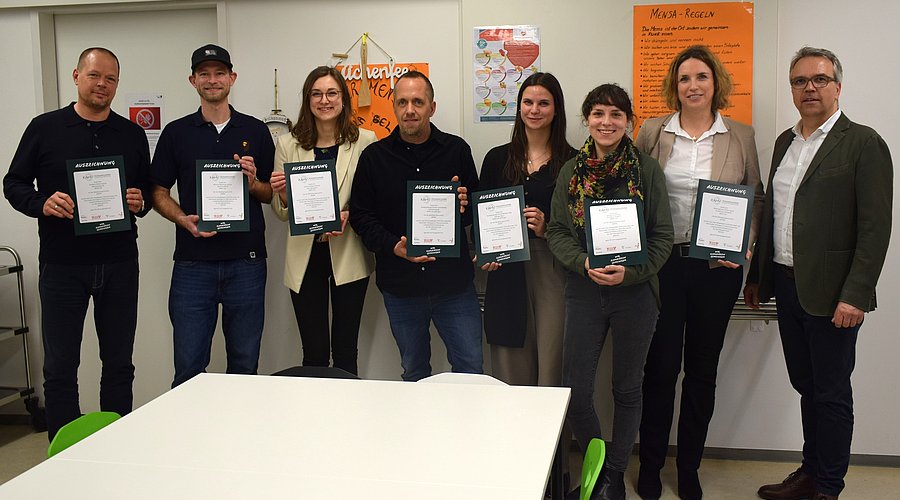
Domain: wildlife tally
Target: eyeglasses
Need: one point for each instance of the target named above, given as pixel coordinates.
(315, 95)
(818, 81)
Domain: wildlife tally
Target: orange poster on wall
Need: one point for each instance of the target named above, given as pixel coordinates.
(662, 31)
(379, 116)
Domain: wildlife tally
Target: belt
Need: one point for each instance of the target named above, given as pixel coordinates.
(681, 249)
(786, 271)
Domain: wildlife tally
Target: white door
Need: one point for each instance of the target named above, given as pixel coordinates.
(154, 50)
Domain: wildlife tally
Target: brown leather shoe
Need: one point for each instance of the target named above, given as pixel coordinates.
(822, 496)
(797, 486)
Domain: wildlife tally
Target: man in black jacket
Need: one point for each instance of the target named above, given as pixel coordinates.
(74, 269)
(418, 290)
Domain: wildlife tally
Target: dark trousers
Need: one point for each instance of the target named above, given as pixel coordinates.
(311, 310)
(696, 306)
(820, 359)
(592, 311)
(65, 291)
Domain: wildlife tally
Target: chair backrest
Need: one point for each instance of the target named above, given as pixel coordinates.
(315, 372)
(590, 469)
(462, 378)
(79, 429)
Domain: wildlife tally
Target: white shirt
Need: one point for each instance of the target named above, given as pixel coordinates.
(787, 180)
(221, 126)
(690, 161)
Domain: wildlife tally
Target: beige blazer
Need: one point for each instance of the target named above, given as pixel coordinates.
(350, 260)
(734, 160)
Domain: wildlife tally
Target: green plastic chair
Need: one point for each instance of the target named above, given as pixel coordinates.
(590, 468)
(79, 429)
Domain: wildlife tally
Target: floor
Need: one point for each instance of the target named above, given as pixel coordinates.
(21, 449)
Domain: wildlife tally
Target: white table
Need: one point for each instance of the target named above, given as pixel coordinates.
(238, 436)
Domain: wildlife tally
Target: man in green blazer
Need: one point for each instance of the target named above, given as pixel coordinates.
(825, 231)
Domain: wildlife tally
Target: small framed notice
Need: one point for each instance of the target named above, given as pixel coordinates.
(432, 219)
(223, 196)
(721, 229)
(98, 189)
(615, 232)
(501, 232)
(312, 197)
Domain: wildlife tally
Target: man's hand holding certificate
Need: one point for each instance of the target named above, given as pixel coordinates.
(721, 229)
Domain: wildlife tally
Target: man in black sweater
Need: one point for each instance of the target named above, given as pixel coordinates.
(74, 269)
(418, 290)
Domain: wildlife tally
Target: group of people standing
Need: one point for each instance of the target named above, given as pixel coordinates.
(546, 319)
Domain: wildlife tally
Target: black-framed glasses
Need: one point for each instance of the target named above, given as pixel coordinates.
(315, 95)
(818, 81)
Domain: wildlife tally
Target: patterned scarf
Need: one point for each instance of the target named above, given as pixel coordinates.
(595, 178)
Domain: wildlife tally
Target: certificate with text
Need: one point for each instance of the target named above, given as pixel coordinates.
(312, 197)
(432, 219)
(97, 185)
(501, 232)
(223, 196)
(615, 232)
(721, 229)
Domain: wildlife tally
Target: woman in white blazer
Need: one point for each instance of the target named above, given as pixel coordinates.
(335, 263)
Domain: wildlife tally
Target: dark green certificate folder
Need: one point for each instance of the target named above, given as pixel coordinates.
(312, 197)
(432, 219)
(97, 185)
(615, 232)
(721, 229)
(501, 233)
(223, 197)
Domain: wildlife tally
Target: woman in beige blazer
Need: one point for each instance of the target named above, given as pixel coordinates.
(696, 142)
(334, 262)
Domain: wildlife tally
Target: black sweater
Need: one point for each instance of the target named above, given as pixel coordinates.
(51, 139)
(378, 209)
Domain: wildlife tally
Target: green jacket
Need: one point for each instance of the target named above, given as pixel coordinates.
(566, 245)
(842, 221)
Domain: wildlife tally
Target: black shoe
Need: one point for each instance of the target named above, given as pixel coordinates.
(649, 487)
(611, 486)
(689, 485)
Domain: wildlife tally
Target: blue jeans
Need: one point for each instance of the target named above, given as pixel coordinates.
(65, 292)
(457, 317)
(198, 287)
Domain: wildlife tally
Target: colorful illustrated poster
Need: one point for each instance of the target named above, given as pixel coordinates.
(379, 116)
(147, 111)
(503, 57)
(662, 31)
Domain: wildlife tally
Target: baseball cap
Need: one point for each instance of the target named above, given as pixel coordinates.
(210, 53)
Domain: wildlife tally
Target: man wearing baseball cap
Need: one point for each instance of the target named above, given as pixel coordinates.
(227, 268)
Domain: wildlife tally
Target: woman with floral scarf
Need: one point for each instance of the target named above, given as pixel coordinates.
(618, 299)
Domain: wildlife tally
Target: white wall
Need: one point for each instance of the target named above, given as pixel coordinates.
(584, 42)
(261, 37)
(146, 67)
(18, 232)
(862, 36)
